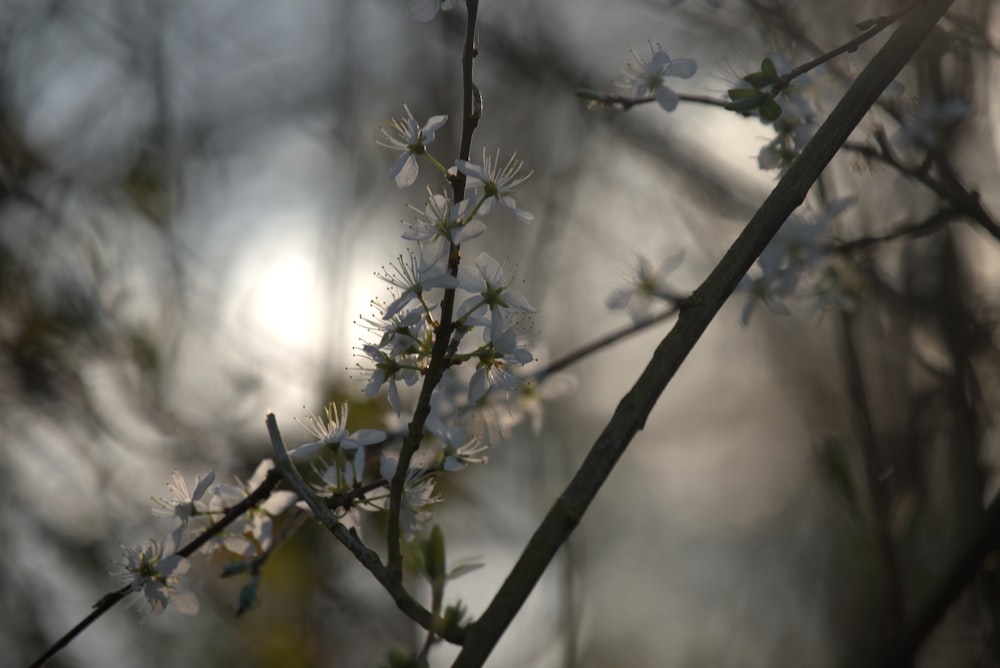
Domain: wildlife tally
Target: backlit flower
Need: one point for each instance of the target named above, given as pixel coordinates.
(647, 77)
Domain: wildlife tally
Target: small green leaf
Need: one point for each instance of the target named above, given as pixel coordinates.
(736, 94)
(236, 567)
(770, 110)
(744, 99)
(761, 79)
(452, 618)
(249, 597)
(767, 67)
(400, 659)
(434, 557)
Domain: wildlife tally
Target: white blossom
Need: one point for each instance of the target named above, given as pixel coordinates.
(647, 77)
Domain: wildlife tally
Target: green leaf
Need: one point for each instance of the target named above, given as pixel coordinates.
(736, 94)
(761, 79)
(767, 67)
(744, 100)
(770, 110)
(400, 659)
(453, 617)
(249, 597)
(236, 567)
(434, 557)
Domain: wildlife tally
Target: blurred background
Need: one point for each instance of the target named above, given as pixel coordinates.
(192, 206)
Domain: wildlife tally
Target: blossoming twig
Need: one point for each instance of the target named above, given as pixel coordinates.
(445, 328)
(349, 538)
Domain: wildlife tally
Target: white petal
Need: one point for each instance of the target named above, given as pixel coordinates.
(365, 437)
(279, 502)
(683, 68)
(478, 385)
(202, 485)
(394, 401)
(666, 98)
(473, 171)
(518, 301)
(620, 298)
(432, 126)
(405, 171)
(422, 10)
(470, 230)
(307, 451)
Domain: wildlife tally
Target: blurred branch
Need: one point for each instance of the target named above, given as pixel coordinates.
(963, 569)
(874, 470)
(631, 414)
(932, 224)
(605, 341)
(949, 188)
(110, 600)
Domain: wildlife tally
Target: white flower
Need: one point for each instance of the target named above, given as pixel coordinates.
(644, 77)
(458, 450)
(183, 505)
(146, 569)
(388, 369)
(332, 433)
(418, 491)
(425, 10)
(441, 224)
(407, 333)
(413, 141)
(647, 288)
(489, 282)
(501, 351)
(497, 182)
(251, 533)
(412, 277)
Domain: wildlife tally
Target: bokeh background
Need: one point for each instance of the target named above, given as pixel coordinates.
(192, 209)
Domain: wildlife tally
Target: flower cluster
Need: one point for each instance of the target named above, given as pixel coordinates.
(793, 117)
(155, 570)
(406, 325)
(798, 256)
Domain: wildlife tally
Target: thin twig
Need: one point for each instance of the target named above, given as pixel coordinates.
(112, 599)
(949, 188)
(350, 539)
(603, 342)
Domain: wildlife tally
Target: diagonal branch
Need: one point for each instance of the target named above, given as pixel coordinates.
(631, 414)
